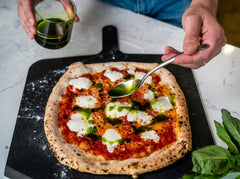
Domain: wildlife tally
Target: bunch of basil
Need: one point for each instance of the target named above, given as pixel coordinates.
(214, 161)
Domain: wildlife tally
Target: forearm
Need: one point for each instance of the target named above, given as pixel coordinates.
(209, 4)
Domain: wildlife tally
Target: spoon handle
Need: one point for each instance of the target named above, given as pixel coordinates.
(170, 60)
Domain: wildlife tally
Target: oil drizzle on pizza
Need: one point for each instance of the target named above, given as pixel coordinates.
(117, 129)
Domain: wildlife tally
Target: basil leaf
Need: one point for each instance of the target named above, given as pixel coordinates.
(212, 160)
(128, 77)
(114, 121)
(99, 86)
(232, 125)
(153, 90)
(236, 158)
(84, 113)
(172, 99)
(217, 162)
(223, 135)
(90, 122)
(94, 137)
(192, 175)
(92, 130)
(228, 175)
(75, 108)
(140, 129)
(136, 105)
(120, 141)
(159, 118)
(103, 106)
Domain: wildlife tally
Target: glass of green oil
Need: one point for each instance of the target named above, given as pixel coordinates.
(54, 22)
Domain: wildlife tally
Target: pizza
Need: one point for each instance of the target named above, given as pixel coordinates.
(92, 132)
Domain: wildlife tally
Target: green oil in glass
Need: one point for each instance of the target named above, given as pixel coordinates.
(53, 33)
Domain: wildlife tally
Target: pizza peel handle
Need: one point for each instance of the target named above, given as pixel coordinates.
(109, 41)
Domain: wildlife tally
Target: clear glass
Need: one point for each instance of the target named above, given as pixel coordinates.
(54, 22)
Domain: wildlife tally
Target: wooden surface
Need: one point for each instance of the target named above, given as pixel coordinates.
(229, 17)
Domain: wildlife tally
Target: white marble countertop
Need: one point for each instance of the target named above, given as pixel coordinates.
(218, 82)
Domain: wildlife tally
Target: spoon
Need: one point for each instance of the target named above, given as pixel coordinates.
(129, 87)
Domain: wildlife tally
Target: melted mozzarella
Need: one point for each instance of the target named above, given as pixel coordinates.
(80, 83)
(76, 123)
(131, 70)
(148, 95)
(86, 101)
(151, 135)
(132, 116)
(117, 109)
(140, 117)
(111, 147)
(144, 118)
(140, 75)
(112, 138)
(113, 75)
(111, 135)
(161, 104)
(79, 123)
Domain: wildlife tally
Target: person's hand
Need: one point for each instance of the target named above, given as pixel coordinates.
(201, 27)
(27, 17)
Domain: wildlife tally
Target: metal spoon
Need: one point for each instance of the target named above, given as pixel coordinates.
(129, 87)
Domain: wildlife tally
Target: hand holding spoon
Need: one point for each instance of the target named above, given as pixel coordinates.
(129, 87)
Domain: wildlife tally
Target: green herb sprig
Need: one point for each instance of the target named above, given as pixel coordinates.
(214, 161)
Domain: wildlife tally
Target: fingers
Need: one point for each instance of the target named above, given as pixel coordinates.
(191, 61)
(195, 61)
(192, 27)
(214, 36)
(169, 52)
(26, 16)
(69, 8)
(76, 19)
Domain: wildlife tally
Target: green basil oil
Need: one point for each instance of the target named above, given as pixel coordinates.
(53, 33)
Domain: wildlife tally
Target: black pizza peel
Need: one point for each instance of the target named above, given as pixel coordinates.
(30, 155)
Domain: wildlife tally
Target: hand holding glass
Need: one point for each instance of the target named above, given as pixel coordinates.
(54, 22)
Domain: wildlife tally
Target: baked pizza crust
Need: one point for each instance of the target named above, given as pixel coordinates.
(70, 155)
